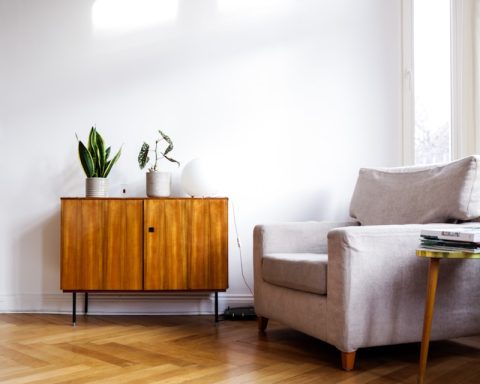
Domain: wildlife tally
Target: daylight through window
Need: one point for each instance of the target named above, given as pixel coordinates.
(432, 74)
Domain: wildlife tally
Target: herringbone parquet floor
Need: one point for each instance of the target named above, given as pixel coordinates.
(192, 349)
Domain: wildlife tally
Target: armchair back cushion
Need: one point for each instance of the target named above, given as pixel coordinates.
(418, 194)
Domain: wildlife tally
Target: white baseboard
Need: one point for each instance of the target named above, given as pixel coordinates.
(124, 304)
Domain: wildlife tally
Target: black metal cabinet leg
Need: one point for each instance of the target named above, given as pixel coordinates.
(74, 308)
(85, 307)
(216, 307)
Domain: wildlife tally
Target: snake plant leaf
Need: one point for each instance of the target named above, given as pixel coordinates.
(101, 154)
(86, 160)
(109, 164)
(143, 158)
(92, 145)
(91, 139)
(107, 152)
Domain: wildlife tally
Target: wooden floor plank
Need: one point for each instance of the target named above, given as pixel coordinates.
(37, 348)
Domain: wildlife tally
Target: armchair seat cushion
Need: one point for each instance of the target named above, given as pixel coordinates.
(301, 271)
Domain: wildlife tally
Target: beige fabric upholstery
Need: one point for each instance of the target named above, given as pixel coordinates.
(375, 284)
(376, 287)
(302, 271)
(408, 195)
(303, 311)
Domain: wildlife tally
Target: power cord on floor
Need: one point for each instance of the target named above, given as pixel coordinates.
(239, 248)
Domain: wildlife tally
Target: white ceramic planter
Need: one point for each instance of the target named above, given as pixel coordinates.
(96, 187)
(158, 184)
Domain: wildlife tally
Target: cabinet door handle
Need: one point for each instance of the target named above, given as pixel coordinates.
(151, 229)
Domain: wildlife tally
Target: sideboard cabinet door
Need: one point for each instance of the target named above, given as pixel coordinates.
(208, 262)
(101, 244)
(186, 244)
(123, 257)
(166, 244)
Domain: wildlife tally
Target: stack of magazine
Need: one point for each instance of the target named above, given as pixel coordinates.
(461, 238)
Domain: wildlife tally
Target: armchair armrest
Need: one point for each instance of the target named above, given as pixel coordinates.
(293, 237)
(371, 269)
(376, 287)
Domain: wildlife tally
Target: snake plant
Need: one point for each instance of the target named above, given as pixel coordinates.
(95, 157)
(143, 157)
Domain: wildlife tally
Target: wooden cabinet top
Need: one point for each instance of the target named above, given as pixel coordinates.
(144, 198)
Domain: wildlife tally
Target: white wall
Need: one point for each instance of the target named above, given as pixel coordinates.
(291, 97)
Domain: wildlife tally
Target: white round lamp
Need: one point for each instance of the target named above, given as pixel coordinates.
(199, 178)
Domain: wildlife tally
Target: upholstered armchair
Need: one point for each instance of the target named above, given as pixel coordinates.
(359, 283)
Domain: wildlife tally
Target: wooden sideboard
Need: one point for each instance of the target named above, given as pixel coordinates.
(144, 245)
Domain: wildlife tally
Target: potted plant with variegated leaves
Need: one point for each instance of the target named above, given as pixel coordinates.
(158, 182)
(96, 163)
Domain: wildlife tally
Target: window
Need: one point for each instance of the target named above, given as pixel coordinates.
(432, 85)
(439, 88)
(432, 81)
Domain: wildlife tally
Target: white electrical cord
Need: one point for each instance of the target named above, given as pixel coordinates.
(239, 247)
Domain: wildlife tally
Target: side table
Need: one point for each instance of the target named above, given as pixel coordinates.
(433, 268)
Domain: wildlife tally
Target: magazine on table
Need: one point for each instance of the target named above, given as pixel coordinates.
(450, 245)
(470, 233)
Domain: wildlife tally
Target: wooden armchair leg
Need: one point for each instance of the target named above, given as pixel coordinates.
(348, 360)
(262, 323)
